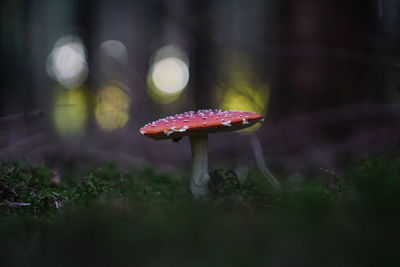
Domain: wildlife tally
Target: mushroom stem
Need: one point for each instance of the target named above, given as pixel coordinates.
(260, 159)
(200, 177)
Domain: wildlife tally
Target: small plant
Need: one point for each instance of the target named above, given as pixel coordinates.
(224, 183)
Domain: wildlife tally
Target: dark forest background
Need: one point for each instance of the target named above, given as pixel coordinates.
(76, 78)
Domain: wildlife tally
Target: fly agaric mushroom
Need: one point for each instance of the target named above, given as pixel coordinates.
(197, 125)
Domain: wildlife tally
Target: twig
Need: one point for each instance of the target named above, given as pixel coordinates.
(16, 204)
(28, 115)
(20, 116)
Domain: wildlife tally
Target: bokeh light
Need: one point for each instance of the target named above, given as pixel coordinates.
(112, 108)
(70, 112)
(67, 62)
(112, 55)
(246, 99)
(241, 91)
(168, 75)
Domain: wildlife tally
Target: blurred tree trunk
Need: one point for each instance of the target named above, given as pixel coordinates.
(202, 68)
(86, 11)
(312, 75)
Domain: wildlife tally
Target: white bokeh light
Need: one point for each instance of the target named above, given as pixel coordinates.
(170, 75)
(67, 62)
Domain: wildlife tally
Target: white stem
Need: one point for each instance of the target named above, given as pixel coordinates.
(200, 177)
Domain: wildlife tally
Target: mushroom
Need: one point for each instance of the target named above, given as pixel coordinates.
(197, 125)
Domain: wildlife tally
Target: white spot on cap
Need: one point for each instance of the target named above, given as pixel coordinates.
(183, 129)
(226, 123)
(168, 132)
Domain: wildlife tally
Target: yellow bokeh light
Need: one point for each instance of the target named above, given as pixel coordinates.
(241, 92)
(112, 108)
(70, 112)
(244, 99)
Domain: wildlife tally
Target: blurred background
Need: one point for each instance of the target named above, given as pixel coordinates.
(79, 78)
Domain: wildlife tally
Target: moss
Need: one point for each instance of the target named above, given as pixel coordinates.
(113, 217)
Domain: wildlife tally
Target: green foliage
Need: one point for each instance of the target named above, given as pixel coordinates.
(27, 189)
(112, 217)
(27, 186)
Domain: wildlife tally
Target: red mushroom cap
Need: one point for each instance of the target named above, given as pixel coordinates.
(201, 121)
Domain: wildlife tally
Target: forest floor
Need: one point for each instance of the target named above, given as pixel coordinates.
(110, 217)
